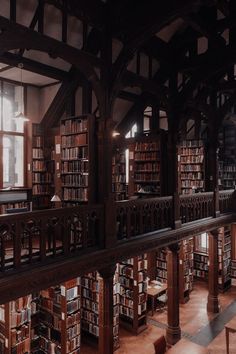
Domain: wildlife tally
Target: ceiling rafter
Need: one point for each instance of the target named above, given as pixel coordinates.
(34, 66)
(30, 39)
(142, 30)
(88, 11)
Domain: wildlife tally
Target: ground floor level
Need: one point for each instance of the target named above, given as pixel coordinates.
(198, 326)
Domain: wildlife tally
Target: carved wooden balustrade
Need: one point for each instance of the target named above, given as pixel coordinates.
(40, 236)
(196, 206)
(136, 217)
(226, 199)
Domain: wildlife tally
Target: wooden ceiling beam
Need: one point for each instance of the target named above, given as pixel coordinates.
(206, 27)
(158, 49)
(89, 11)
(128, 96)
(30, 39)
(132, 79)
(34, 66)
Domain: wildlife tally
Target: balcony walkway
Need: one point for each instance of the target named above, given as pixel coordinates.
(46, 247)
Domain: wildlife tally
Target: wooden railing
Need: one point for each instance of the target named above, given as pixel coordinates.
(226, 201)
(136, 217)
(39, 236)
(196, 206)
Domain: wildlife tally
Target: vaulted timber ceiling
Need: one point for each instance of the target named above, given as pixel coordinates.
(171, 51)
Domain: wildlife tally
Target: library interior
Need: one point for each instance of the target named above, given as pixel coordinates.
(117, 177)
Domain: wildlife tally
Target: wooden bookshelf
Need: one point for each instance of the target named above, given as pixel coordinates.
(15, 326)
(201, 260)
(224, 254)
(200, 265)
(77, 159)
(59, 329)
(119, 183)
(145, 160)
(161, 265)
(133, 293)
(15, 198)
(90, 285)
(42, 169)
(191, 166)
(185, 270)
(90, 306)
(233, 268)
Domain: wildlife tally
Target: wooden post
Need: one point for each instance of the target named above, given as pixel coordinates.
(212, 171)
(212, 300)
(152, 265)
(173, 182)
(173, 331)
(106, 342)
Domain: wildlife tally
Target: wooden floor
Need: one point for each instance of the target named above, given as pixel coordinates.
(196, 324)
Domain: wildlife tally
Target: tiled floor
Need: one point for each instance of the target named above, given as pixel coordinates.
(194, 321)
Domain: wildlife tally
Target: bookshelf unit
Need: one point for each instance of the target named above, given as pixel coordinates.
(224, 254)
(233, 268)
(185, 270)
(133, 293)
(15, 198)
(15, 326)
(59, 329)
(42, 169)
(90, 285)
(191, 166)
(119, 185)
(161, 265)
(145, 161)
(90, 306)
(77, 159)
(201, 260)
(200, 265)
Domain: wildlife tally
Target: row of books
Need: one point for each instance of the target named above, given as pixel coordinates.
(74, 166)
(74, 140)
(118, 178)
(79, 152)
(142, 156)
(191, 168)
(148, 166)
(150, 177)
(192, 151)
(39, 165)
(42, 177)
(192, 159)
(75, 194)
(147, 146)
(76, 180)
(192, 183)
(37, 141)
(4, 207)
(71, 126)
(37, 153)
(191, 175)
(41, 189)
(192, 143)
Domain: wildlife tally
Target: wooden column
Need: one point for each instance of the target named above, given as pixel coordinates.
(212, 172)
(152, 265)
(173, 177)
(105, 342)
(173, 331)
(212, 300)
